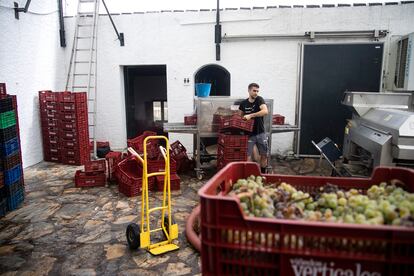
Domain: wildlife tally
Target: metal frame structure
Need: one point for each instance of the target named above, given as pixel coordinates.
(200, 131)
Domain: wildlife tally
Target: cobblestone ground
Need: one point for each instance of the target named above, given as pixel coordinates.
(63, 230)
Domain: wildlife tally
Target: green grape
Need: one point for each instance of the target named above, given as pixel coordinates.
(328, 213)
(404, 212)
(349, 218)
(340, 194)
(360, 218)
(311, 206)
(396, 221)
(370, 213)
(332, 203)
(321, 201)
(342, 201)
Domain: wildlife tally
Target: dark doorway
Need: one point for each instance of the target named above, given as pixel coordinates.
(145, 98)
(328, 71)
(218, 76)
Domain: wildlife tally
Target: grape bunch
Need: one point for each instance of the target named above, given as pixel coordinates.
(383, 204)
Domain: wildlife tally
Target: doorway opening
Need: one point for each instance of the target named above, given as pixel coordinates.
(218, 76)
(146, 104)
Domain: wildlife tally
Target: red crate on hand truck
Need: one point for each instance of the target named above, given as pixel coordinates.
(233, 243)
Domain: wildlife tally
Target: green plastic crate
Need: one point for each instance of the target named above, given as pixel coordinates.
(7, 119)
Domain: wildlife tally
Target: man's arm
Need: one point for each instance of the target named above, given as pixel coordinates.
(263, 112)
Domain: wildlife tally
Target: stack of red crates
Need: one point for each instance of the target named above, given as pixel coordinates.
(231, 148)
(93, 176)
(64, 119)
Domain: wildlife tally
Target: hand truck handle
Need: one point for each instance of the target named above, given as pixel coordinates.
(164, 152)
(134, 153)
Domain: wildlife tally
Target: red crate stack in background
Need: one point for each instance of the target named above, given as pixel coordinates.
(231, 148)
(64, 118)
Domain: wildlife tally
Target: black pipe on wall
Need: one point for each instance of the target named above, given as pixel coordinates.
(61, 25)
(217, 31)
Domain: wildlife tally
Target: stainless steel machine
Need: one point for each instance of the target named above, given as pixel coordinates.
(206, 127)
(381, 131)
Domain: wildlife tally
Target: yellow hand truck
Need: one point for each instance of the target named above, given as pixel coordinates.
(141, 237)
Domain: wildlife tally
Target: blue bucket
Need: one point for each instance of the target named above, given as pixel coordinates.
(203, 89)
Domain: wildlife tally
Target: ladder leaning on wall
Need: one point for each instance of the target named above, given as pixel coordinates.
(82, 72)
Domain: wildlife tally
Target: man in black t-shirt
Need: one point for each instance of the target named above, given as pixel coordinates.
(255, 108)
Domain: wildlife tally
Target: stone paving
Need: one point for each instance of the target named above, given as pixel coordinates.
(63, 230)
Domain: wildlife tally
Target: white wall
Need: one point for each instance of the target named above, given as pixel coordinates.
(31, 59)
(185, 42)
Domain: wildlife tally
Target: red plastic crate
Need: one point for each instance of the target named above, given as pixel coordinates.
(233, 243)
(174, 182)
(221, 163)
(159, 165)
(185, 164)
(67, 116)
(51, 157)
(3, 90)
(68, 126)
(49, 123)
(135, 189)
(49, 114)
(232, 153)
(47, 95)
(137, 144)
(278, 119)
(227, 140)
(236, 122)
(70, 152)
(50, 139)
(46, 105)
(96, 166)
(50, 131)
(129, 175)
(68, 134)
(113, 158)
(67, 106)
(68, 143)
(71, 97)
(99, 144)
(178, 151)
(190, 120)
(74, 160)
(83, 179)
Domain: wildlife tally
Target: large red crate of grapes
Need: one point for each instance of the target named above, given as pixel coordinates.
(233, 243)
